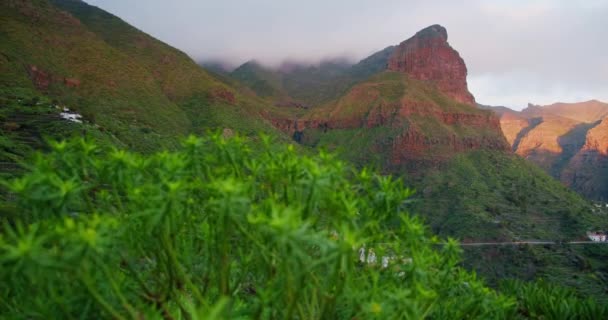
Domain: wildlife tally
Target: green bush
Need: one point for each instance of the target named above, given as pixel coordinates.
(212, 231)
(542, 300)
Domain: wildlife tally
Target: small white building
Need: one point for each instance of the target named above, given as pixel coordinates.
(597, 236)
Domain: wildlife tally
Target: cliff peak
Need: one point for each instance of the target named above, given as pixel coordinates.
(427, 56)
(434, 31)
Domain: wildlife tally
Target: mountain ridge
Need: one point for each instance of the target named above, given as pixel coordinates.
(428, 56)
(425, 122)
(568, 140)
(141, 90)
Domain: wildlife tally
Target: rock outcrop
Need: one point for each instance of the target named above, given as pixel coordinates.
(416, 114)
(40, 78)
(597, 139)
(512, 124)
(427, 56)
(43, 79)
(224, 95)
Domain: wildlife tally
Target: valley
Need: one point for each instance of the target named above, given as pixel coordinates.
(157, 186)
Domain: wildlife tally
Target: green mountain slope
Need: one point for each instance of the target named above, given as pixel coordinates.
(264, 82)
(309, 85)
(143, 91)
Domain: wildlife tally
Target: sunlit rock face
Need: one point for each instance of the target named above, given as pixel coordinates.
(568, 140)
(428, 56)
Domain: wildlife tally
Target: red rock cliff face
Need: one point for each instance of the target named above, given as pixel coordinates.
(414, 118)
(597, 139)
(417, 145)
(568, 140)
(427, 56)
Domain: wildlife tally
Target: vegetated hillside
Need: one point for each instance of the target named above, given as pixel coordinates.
(135, 91)
(307, 86)
(264, 82)
(490, 196)
(216, 231)
(485, 196)
(27, 119)
(142, 91)
(454, 153)
(406, 124)
(568, 140)
(217, 67)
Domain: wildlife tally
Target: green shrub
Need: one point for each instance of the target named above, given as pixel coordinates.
(542, 300)
(215, 230)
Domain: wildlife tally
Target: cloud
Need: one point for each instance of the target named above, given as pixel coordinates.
(516, 50)
(517, 89)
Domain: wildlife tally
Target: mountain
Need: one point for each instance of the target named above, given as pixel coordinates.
(304, 85)
(568, 140)
(588, 111)
(416, 119)
(139, 90)
(217, 67)
(427, 56)
(406, 117)
(264, 82)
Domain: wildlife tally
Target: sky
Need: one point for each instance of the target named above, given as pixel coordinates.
(517, 51)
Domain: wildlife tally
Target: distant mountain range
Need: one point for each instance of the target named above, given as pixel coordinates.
(568, 140)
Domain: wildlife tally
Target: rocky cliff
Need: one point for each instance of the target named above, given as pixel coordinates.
(417, 113)
(427, 56)
(568, 140)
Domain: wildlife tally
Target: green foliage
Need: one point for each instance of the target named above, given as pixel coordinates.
(28, 119)
(217, 231)
(541, 300)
